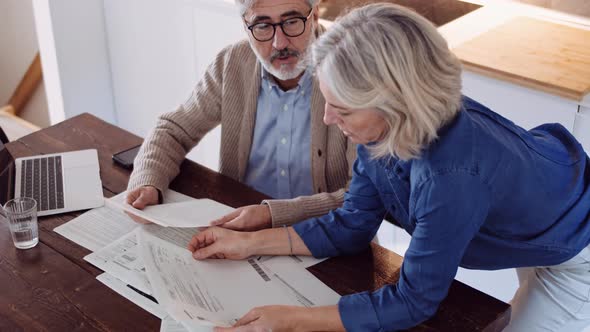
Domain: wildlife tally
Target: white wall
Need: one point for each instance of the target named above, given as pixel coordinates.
(129, 61)
(18, 46)
(74, 53)
(158, 50)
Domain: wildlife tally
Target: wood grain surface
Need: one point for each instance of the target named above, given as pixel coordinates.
(542, 55)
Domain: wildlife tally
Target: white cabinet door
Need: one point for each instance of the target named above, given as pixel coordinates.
(526, 107)
(582, 128)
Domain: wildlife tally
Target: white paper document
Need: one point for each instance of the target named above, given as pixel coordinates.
(170, 325)
(101, 226)
(219, 292)
(191, 213)
(132, 295)
(303, 261)
(98, 227)
(121, 258)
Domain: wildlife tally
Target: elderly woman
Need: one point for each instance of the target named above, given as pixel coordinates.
(471, 187)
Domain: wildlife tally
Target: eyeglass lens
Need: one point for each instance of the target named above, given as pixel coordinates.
(292, 27)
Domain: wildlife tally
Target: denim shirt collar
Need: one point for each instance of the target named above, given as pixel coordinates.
(401, 168)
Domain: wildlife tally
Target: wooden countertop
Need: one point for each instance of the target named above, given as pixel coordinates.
(533, 47)
(543, 55)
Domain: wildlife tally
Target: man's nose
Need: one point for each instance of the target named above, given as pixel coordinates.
(280, 41)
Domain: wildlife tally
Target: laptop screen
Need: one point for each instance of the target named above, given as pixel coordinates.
(6, 174)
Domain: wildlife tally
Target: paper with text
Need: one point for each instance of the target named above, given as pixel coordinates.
(219, 292)
(170, 325)
(122, 289)
(101, 226)
(98, 227)
(121, 258)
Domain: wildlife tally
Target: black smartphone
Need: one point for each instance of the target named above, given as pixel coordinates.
(125, 158)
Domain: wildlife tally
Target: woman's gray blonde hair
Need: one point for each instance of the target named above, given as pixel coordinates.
(388, 57)
(243, 5)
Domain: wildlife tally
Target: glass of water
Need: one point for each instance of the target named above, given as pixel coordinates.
(22, 217)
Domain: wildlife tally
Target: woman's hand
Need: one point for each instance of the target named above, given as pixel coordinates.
(275, 318)
(216, 242)
(246, 218)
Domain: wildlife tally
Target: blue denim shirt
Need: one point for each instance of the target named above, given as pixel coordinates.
(280, 158)
(486, 195)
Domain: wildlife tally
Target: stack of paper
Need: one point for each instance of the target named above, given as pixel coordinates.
(207, 292)
(151, 265)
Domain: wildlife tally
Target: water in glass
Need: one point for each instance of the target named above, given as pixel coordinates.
(22, 216)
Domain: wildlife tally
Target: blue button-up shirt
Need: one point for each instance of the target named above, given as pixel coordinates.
(486, 195)
(280, 157)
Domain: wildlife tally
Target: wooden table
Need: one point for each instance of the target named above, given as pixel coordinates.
(51, 288)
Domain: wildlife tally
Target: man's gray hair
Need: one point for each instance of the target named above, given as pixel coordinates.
(243, 5)
(388, 57)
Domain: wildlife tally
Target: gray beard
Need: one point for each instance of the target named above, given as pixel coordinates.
(283, 73)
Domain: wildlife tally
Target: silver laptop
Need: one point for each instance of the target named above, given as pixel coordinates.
(60, 182)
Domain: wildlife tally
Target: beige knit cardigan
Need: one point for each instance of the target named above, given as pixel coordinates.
(227, 95)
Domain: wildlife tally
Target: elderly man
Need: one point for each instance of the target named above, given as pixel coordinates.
(270, 109)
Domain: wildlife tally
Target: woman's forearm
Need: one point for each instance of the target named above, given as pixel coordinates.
(325, 318)
(276, 242)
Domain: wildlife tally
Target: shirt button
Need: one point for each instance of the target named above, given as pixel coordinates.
(283, 140)
(286, 108)
(283, 173)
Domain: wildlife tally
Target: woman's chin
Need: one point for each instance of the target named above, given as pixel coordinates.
(356, 140)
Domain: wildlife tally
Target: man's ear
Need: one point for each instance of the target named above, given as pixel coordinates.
(316, 13)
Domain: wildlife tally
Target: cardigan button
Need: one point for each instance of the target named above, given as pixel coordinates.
(320, 153)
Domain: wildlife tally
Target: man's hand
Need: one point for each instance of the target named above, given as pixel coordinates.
(275, 318)
(246, 218)
(139, 198)
(216, 242)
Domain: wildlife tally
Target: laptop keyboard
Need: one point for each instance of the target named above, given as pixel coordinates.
(41, 179)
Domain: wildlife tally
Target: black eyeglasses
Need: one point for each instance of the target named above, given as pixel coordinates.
(292, 27)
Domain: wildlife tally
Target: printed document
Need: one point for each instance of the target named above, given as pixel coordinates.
(121, 258)
(101, 226)
(170, 325)
(98, 227)
(219, 292)
(132, 295)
